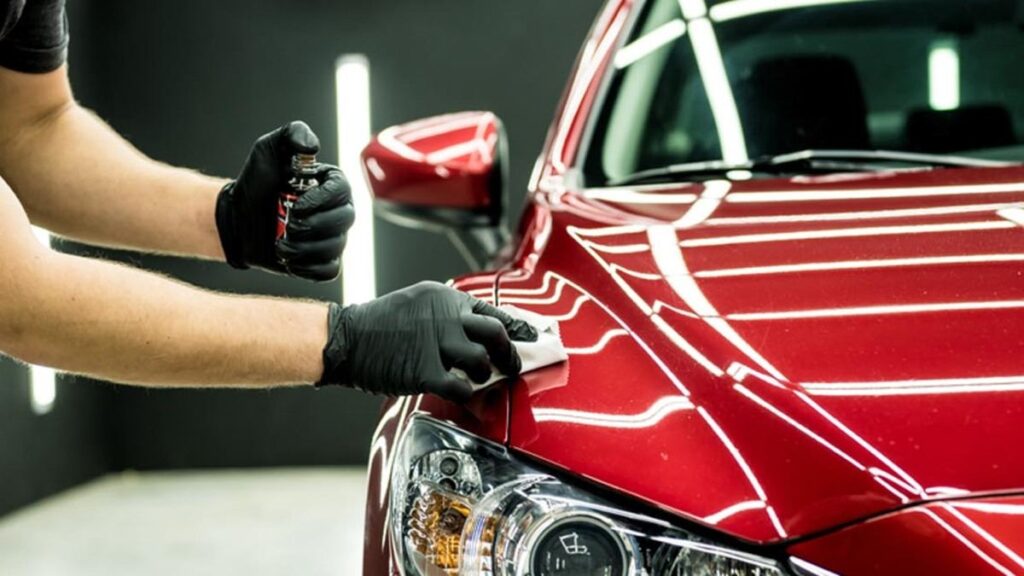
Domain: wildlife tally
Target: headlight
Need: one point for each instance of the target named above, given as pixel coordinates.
(464, 506)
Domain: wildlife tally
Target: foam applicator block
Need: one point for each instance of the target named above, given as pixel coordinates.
(546, 351)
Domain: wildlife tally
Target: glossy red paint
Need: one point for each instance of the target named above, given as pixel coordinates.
(847, 346)
(969, 537)
(445, 161)
(810, 354)
(774, 359)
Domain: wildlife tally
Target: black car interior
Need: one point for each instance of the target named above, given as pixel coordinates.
(782, 111)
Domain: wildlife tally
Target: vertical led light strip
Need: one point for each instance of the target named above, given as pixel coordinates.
(43, 381)
(352, 88)
(944, 75)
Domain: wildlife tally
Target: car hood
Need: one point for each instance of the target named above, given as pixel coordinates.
(776, 358)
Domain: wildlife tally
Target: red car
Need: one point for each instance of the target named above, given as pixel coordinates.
(784, 242)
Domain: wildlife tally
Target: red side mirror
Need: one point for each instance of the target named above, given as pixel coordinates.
(447, 170)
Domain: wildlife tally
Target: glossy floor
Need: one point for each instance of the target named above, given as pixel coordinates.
(267, 522)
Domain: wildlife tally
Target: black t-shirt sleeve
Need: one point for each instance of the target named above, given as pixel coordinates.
(39, 41)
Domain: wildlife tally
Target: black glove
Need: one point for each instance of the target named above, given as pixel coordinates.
(318, 223)
(405, 343)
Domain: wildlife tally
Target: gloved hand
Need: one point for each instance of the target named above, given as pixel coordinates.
(318, 223)
(405, 343)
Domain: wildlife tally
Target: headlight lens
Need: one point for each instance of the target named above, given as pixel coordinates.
(464, 506)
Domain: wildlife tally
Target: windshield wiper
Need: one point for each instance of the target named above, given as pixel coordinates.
(669, 173)
(810, 162)
(863, 157)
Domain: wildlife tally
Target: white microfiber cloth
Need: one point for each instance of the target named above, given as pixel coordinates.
(546, 351)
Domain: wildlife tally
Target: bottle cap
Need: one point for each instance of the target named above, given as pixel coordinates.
(304, 163)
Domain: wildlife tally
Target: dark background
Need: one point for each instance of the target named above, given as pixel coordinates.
(193, 82)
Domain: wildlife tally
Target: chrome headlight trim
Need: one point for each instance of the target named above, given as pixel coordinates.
(552, 522)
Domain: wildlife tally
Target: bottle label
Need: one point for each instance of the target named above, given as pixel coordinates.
(284, 207)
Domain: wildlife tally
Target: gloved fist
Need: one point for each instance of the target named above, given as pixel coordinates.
(318, 223)
(405, 343)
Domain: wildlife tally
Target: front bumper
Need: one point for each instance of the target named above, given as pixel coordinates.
(977, 536)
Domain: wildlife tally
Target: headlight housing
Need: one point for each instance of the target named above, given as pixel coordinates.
(464, 506)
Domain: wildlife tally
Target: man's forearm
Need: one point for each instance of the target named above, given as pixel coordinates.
(75, 176)
(125, 325)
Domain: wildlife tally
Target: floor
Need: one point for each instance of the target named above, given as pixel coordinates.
(256, 523)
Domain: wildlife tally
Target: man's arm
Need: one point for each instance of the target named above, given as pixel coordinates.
(76, 177)
(122, 324)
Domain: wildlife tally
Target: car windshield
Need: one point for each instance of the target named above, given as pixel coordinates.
(718, 84)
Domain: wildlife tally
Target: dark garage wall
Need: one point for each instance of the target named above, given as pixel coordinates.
(193, 82)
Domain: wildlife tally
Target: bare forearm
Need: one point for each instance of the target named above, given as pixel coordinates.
(125, 325)
(77, 177)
